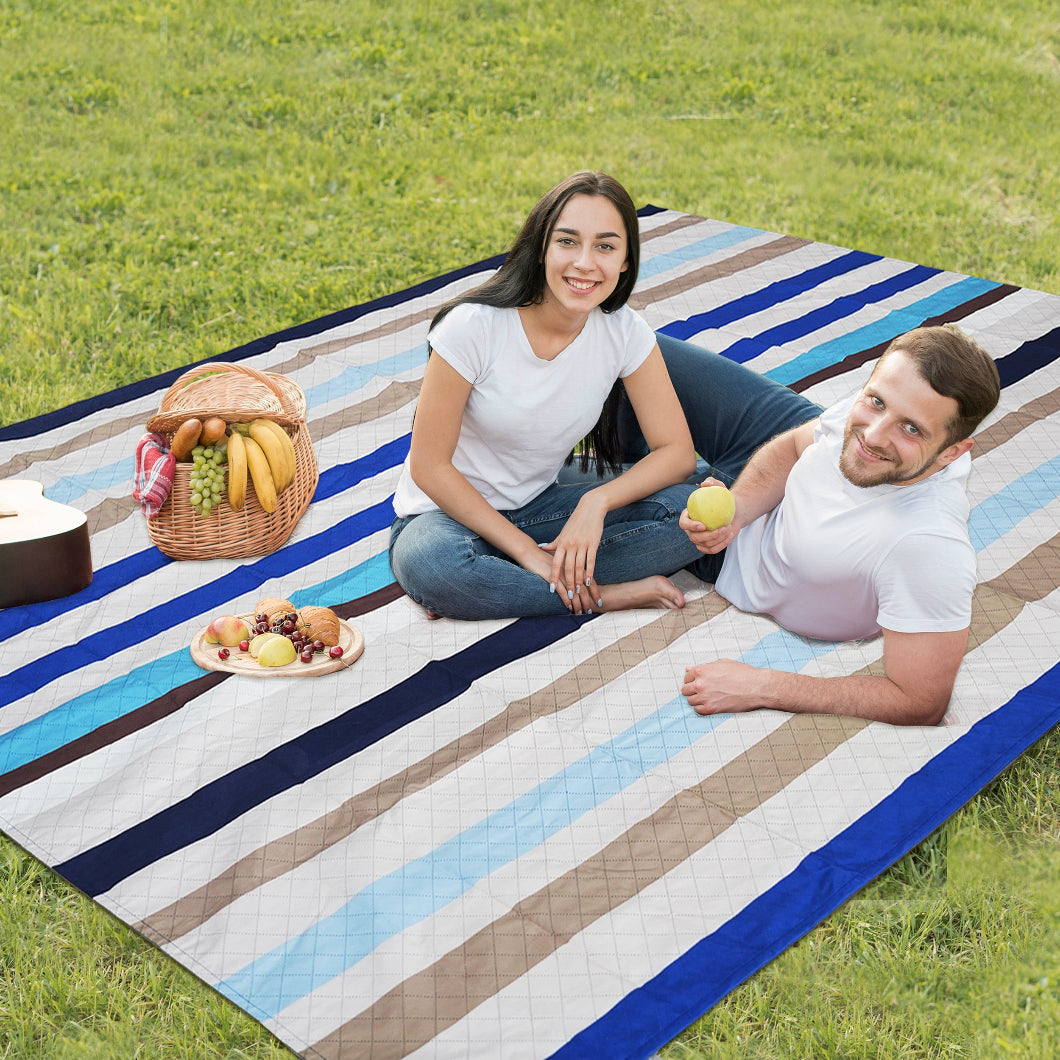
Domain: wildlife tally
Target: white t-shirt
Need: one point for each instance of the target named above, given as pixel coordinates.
(524, 415)
(835, 561)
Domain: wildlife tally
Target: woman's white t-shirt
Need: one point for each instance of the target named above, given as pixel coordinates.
(524, 415)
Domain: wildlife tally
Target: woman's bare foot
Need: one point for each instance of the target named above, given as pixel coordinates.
(654, 592)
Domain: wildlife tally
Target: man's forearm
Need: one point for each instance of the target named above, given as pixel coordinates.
(731, 687)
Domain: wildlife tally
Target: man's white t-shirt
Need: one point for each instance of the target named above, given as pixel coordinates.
(524, 415)
(835, 561)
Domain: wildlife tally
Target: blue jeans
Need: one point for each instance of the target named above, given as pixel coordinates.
(731, 411)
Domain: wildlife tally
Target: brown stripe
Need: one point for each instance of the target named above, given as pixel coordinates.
(166, 704)
(22, 461)
(856, 360)
(424, 1005)
(717, 271)
(1011, 424)
(283, 855)
(110, 732)
(684, 221)
(1035, 576)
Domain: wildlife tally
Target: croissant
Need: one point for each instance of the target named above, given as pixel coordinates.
(319, 623)
(272, 606)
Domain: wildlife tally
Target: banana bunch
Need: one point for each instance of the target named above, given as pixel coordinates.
(263, 450)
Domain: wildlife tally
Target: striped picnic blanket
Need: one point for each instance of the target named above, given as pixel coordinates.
(506, 838)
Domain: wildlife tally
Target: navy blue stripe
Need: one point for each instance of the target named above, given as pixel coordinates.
(1029, 357)
(72, 413)
(772, 294)
(131, 391)
(746, 349)
(345, 476)
(223, 800)
(651, 1015)
(246, 578)
(106, 580)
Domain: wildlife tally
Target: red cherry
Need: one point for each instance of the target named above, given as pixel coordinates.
(244, 645)
(223, 653)
(336, 652)
(318, 645)
(306, 656)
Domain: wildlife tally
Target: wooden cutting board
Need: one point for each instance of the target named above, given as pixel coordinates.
(242, 662)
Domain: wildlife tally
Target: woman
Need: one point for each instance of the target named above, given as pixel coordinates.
(519, 372)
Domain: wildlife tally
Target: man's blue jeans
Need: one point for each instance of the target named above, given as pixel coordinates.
(731, 411)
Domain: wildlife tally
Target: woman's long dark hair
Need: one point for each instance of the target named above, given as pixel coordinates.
(520, 281)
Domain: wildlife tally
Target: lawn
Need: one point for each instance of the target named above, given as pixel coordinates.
(180, 178)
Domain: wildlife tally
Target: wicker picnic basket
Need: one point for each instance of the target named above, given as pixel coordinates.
(238, 394)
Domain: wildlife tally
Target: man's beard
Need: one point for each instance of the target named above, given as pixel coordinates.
(889, 474)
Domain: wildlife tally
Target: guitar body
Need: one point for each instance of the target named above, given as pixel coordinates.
(44, 552)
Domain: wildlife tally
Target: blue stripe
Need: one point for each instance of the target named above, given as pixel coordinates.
(826, 878)
(1030, 493)
(770, 295)
(356, 376)
(845, 305)
(226, 798)
(701, 249)
(246, 578)
(420, 888)
(122, 695)
(108, 579)
(895, 323)
(133, 391)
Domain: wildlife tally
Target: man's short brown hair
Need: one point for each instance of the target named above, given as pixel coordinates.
(954, 365)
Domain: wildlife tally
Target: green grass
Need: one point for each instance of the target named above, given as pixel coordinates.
(180, 178)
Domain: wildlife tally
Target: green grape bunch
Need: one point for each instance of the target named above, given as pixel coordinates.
(207, 479)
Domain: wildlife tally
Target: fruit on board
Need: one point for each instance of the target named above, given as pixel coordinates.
(213, 430)
(319, 623)
(237, 471)
(260, 475)
(277, 651)
(261, 640)
(713, 506)
(185, 439)
(227, 630)
(278, 449)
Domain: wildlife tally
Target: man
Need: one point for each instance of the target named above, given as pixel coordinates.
(855, 523)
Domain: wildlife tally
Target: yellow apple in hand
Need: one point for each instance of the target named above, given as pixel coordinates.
(713, 506)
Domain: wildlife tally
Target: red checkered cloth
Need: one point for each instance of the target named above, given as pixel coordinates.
(154, 473)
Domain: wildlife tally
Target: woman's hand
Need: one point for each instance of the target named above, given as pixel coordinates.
(574, 555)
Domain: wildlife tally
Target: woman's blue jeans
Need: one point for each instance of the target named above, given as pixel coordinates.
(731, 411)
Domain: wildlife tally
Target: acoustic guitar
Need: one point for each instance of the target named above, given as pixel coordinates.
(44, 551)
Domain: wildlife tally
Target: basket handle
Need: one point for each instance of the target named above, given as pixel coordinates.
(193, 375)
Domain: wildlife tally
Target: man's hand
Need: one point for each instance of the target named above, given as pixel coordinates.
(722, 687)
(710, 542)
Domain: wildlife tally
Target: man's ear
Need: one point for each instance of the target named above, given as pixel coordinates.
(948, 455)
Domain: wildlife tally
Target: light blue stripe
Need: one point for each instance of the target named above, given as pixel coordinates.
(999, 513)
(701, 249)
(786, 651)
(68, 488)
(418, 889)
(355, 377)
(896, 322)
(84, 713)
